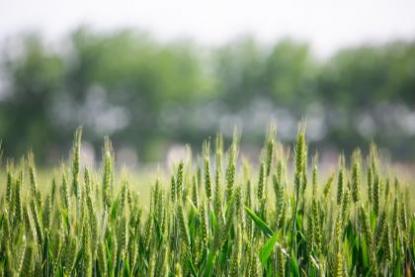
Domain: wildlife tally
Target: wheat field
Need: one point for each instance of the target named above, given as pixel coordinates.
(217, 215)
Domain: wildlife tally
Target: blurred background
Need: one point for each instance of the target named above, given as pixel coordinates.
(156, 75)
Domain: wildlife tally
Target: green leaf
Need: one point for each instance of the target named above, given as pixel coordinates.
(267, 248)
(210, 263)
(213, 220)
(114, 209)
(127, 271)
(365, 257)
(294, 269)
(192, 267)
(259, 223)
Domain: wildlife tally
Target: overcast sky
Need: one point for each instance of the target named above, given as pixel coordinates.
(326, 24)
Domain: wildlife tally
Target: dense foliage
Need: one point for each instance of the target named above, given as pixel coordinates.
(148, 94)
(216, 216)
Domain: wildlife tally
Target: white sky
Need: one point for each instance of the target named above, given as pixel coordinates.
(326, 24)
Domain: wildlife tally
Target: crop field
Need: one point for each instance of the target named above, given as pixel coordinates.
(215, 215)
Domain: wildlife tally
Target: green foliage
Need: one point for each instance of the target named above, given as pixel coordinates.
(161, 92)
(110, 230)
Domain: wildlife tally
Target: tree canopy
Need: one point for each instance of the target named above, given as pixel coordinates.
(147, 93)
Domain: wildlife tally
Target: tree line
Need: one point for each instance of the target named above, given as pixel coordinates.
(147, 93)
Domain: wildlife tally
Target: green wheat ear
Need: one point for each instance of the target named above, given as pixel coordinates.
(76, 156)
(314, 176)
(9, 187)
(26, 267)
(231, 169)
(365, 225)
(356, 175)
(107, 173)
(208, 184)
(300, 160)
(18, 199)
(33, 177)
(173, 189)
(376, 194)
(236, 256)
(328, 185)
(387, 245)
(339, 264)
(179, 181)
(204, 224)
(345, 205)
(183, 225)
(340, 182)
(195, 192)
(65, 192)
(270, 147)
(261, 183)
(122, 236)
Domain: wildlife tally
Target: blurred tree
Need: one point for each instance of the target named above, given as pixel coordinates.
(137, 75)
(147, 94)
(239, 67)
(289, 75)
(369, 85)
(34, 76)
